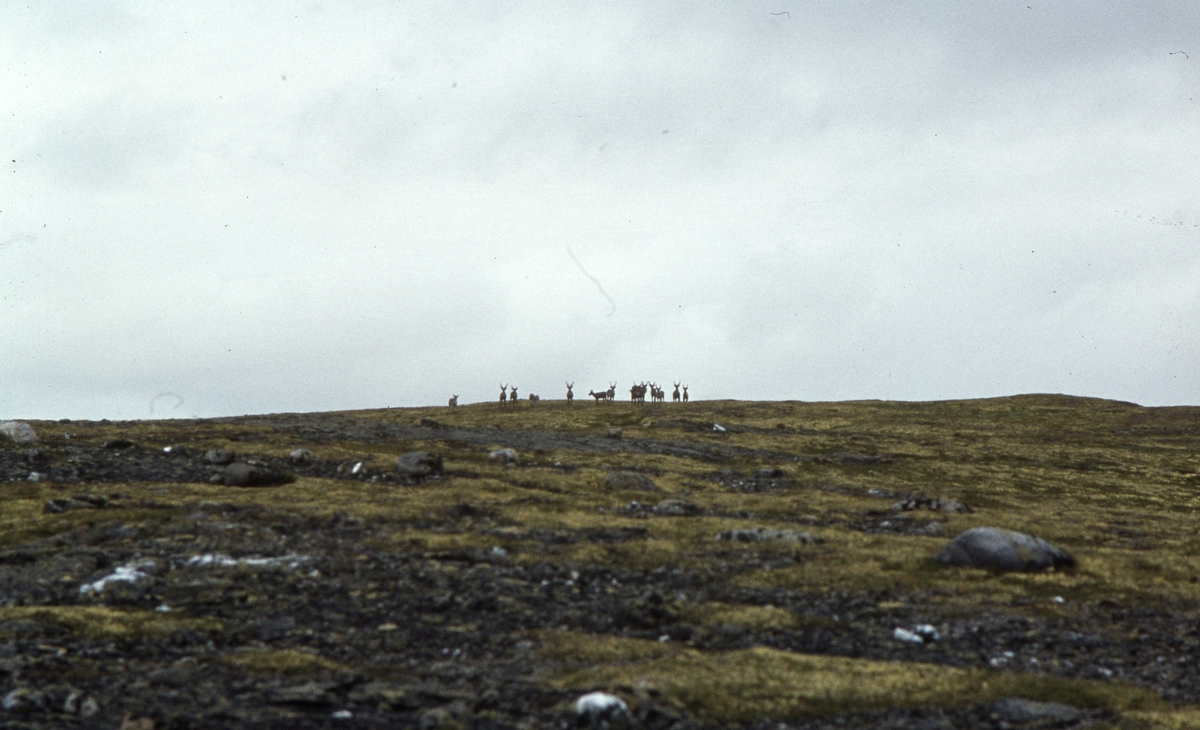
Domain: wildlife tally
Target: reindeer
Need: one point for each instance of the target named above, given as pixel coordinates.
(657, 395)
(685, 394)
(637, 393)
(602, 395)
(513, 398)
(570, 393)
(611, 393)
(533, 400)
(454, 401)
(675, 395)
(503, 393)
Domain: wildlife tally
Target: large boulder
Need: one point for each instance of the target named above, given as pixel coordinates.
(19, 431)
(417, 464)
(1002, 550)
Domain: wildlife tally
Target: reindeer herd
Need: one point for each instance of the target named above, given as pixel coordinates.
(637, 394)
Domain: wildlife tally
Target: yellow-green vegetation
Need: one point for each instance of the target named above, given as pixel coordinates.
(97, 622)
(748, 685)
(282, 662)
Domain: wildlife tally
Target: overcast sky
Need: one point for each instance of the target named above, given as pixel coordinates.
(225, 208)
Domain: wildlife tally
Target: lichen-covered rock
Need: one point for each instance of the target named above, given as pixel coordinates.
(18, 432)
(629, 480)
(1002, 550)
(416, 464)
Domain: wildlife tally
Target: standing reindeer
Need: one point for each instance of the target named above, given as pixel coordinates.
(513, 398)
(601, 396)
(685, 394)
(503, 393)
(675, 395)
(454, 401)
(637, 393)
(611, 393)
(533, 400)
(570, 393)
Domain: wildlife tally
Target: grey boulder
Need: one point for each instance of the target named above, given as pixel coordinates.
(1002, 550)
(19, 431)
(416, 464)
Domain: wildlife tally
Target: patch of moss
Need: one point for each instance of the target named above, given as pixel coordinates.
(282, 662)
(94, 622)
(754, 684)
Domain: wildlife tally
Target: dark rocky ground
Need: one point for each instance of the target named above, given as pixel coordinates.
(323, 624)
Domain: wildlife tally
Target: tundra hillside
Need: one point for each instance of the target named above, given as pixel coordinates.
(708, 563)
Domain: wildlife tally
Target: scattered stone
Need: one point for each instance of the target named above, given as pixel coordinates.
(718, 428)
(220, 457)
(614, 433)
(428, 423)
(905, 635)
(38, 476)
(627, 480)
(18, 431)
(1002, 550)
(1019, 710)
(417, 464)
(677, 508)
(769, 472)
(117, 444)
(759, 534)
(302, 457)
(22, 700)
(242, 474)
(934, 504)
(503, 456)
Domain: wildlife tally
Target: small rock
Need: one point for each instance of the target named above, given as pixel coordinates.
(117, 444)
(22, 700)
(905, 635)
(18, 431)
(629, 480)
(614, 433)
(677, 508)
(503, 456)
(1019, 710)
(1002, 550)
(241, 474)
(342, 715)
(769, 472)
(220, 457)
(416, 464)
(301, 457)
(718, 428)
(132, 722)
(428, 422)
